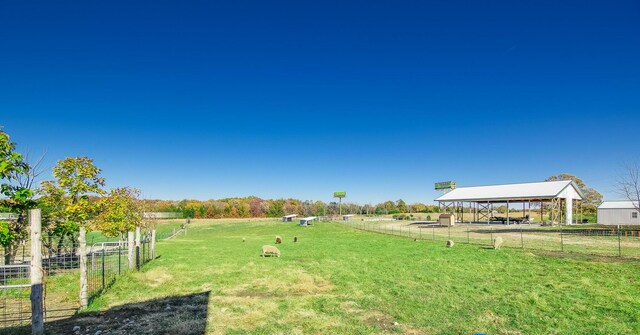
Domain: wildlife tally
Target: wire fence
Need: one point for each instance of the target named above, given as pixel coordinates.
(15, 287)
(605, 241)
(106, 261)
(59, 256)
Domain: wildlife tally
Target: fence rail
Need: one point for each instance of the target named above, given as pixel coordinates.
(606, 241)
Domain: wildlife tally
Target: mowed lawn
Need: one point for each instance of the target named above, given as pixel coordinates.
(336, 280)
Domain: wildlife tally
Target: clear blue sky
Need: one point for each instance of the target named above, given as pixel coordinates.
(210, 99)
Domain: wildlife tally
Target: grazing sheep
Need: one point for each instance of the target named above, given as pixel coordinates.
(295, 239)
(269, 250)
(497, 242)
(278, 239)
(449, 244)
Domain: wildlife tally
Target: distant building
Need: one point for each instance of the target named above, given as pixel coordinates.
(289, 218)
(306, 221)
(618, 212)
(161, 215)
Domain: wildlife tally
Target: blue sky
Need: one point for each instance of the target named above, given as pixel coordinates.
(208, 99)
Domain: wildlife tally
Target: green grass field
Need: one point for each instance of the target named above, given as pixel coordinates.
(337, 280)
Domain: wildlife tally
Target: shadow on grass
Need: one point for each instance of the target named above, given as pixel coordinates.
(179, 315)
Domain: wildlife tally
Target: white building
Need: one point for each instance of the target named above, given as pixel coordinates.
(483, 198)
(618, 212)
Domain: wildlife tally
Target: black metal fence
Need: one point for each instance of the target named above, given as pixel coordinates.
(107, 261)
(604, 241)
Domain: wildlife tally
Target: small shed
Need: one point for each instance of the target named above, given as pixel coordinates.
(618, 212)
(447, 220)
(346, 217)
(289, 218)
(306, 221)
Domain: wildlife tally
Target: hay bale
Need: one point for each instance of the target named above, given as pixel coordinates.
(278, 239)
(497, 242)
(450, 244)
(269, 250)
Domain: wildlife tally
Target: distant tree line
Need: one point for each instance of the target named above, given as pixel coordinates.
(262, 208)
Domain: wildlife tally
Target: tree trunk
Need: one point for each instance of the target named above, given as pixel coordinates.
(8, 259)
(60, 245)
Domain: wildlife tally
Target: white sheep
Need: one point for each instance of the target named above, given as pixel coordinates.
(497, 242)
(269, 250)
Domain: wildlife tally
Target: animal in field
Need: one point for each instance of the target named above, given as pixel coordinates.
(497, 242)
(278, 239)
(269, 250)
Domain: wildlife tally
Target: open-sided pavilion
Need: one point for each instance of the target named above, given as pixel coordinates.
(289, 217)
(482, 199)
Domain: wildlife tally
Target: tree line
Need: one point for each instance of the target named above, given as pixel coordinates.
(252, 206)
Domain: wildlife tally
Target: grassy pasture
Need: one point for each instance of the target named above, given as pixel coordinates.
(337, 280)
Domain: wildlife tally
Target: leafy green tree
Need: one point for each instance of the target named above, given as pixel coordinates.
(592, 198)
(67, 201)
(119, 212)
(17, 196)
(401, 206)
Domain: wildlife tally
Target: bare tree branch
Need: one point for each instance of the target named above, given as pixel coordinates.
(629, 184)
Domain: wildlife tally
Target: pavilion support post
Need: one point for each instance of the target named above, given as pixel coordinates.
(507, 212)
(488, 212)
(569, 211)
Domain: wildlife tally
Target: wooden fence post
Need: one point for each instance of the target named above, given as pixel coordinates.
(130, 259)
(153, 243)
(82, 239)
(36, 273)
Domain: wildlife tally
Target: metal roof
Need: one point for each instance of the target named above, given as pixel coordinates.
(309, 218)
(516, 192)
(623, 204)
(290, 216)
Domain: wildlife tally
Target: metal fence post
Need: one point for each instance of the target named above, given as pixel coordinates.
(561, 239)
(468, 240)
(103, 267)
(36, 273)
(138, 247)
(521, 237)
(449, 231)
(119, 259)
(619, 246)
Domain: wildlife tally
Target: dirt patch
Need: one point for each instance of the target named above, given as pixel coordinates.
(381, 321)
(182, 315)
